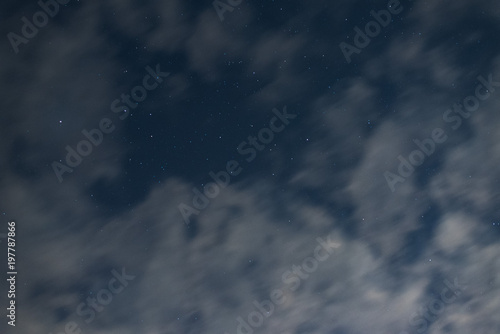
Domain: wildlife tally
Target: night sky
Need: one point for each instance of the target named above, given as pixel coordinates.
(235, 166)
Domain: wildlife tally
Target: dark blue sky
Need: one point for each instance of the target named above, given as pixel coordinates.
(251, 166)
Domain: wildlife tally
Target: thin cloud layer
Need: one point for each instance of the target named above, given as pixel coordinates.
(319, 183)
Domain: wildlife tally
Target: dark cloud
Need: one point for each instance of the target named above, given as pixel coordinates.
(321, 177)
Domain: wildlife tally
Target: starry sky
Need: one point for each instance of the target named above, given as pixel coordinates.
(235, 166)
